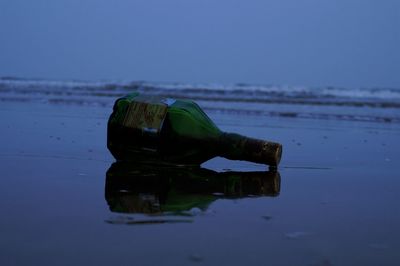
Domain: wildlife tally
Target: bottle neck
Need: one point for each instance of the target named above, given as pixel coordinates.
(237, 147)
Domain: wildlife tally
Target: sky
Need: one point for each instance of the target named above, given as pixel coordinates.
(347, 43)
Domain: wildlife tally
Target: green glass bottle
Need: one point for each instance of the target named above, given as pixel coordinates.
(177, 132)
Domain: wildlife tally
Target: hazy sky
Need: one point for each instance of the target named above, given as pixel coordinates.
(348, 43)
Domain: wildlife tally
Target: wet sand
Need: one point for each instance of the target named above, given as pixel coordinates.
(337, 202)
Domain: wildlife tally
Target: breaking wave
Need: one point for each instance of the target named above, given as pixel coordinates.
(358, 104)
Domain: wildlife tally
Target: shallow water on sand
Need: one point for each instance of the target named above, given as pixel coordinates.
(337, 202)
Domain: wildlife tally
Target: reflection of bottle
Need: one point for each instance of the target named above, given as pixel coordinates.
(137, 188)
(178, 132)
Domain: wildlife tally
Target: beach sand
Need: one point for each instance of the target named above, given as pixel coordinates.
(338, 200)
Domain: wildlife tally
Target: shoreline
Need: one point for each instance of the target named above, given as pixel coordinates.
(336, 203)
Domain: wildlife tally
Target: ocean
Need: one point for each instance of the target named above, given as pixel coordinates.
(381, 105)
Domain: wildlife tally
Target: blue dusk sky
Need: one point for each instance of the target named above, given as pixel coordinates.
(348, 43)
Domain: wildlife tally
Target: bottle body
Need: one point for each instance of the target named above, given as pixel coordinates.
(177, 132)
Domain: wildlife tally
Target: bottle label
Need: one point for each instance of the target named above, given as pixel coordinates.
(147, 115)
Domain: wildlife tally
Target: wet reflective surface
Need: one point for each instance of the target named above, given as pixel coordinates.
(64, 202)
(179, 191)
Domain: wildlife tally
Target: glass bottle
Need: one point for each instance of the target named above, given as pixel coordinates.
(177, 132)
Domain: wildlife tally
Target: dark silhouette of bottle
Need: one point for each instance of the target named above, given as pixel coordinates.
(141, 188)
(177, 132)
